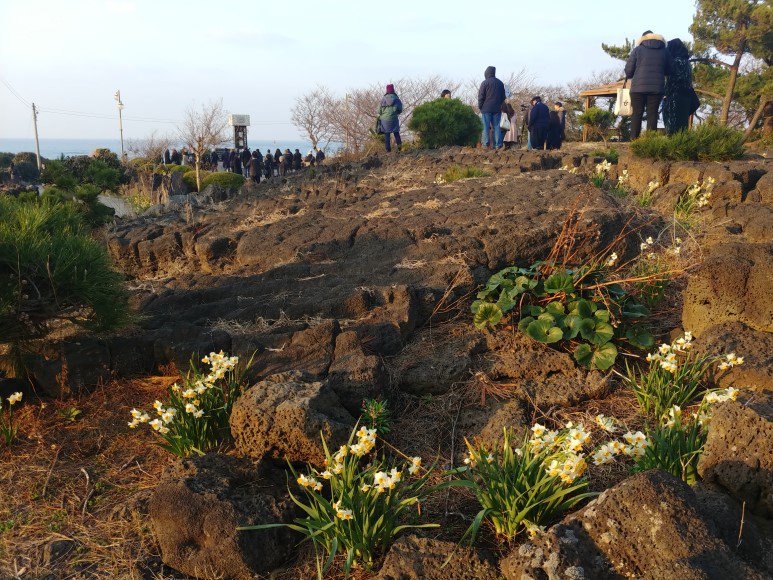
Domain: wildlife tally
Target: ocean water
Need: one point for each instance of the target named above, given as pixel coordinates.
(54, 148)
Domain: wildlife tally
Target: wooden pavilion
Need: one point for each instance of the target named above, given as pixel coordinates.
(589, 98)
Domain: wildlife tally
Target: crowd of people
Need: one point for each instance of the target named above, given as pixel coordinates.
(660, 78)
(251, 164)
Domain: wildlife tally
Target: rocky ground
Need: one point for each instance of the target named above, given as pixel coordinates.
(353, 281)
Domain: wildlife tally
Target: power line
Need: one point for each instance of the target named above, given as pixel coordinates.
(15, 94)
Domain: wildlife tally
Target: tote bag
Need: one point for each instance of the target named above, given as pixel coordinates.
(504, 122)
(623, 102)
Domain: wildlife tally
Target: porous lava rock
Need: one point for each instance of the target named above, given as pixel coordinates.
(198, 505)
(284, 416)
(416, 558)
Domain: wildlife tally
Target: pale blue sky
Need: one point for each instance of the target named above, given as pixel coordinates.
(258, 56)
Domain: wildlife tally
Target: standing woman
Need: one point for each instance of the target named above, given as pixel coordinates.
(511, 136)
(390, 108)
(678, 104)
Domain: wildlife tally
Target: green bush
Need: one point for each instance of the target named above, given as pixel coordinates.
(610, 154)
(444, 122)
(598, 121)
(27, 165)
(5, 160)
(189, 177)
(169, 168)
(52, 269)
(705, 143)
(223, 179)
(85, 200)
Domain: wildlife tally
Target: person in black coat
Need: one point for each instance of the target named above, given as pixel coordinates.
(648, 66)
(320, 156)
(554, 131)
(175, 157)
(268, 166)
(277, 155)
(297, 160)
(539, 121)
(236, 163)
(491, 95)
(167, 157)
(288, 160)
(309, 159)
(680, 99)
(246, 158)
(227, 160)
(256, 166)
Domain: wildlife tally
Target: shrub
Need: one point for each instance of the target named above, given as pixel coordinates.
(223, 179)
(195, 419)
(520, 489)
(169, 168)
(103, 175)
(378, 415)
(445, 122)
(5, 160)
(704, 143)
(457, 172)
(52, 269)
(189, 177)
(598, 121)
(367, 505)
(85, 199)
(611, 155)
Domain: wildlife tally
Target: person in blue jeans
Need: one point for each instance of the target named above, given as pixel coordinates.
(491, 95)
(388, 111)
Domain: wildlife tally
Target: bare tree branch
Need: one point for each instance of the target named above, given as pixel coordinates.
(203, 129)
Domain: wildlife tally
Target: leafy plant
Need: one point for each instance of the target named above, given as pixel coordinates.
(196, 417)
(521, 488)
(70, 414)
(704, 143)
(674, 446)
(565, 305)
(377, 415)
(445, 122)
(368, 503)
(611, 155)
(7, 430)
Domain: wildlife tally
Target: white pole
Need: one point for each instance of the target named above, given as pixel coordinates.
(120, 120)
(37, 142)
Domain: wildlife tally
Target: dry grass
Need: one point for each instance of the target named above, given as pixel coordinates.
(87, 481)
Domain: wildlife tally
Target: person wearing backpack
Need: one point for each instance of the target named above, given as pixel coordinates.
(391, 106)
(491, 95)
(647, 66)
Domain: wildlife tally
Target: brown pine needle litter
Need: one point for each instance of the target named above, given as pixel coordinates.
(85, 481)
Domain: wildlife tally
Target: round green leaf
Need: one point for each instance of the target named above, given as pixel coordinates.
(640, 337)
(555, 308)
(602, 315)
(524, 323)
(487, 313)
(601, 357)
(559, 282)
(585, 308)
(544, 331)
(602, 333)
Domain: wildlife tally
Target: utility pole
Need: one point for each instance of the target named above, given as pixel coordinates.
(37, 142)
(120, 120)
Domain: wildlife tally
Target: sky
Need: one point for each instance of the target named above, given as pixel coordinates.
(258, 56)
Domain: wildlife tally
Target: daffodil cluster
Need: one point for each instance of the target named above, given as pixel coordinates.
(730, 361)
(701, 191)
(646, 244)
(565, 447)
(651, 186)
(612, 259)
(623, 178)
(603, 167)
(7, 430)
(666, 355)
(572, 170)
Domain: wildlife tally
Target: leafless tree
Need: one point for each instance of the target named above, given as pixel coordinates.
(151, 147)
(203, 129)
(311, 115)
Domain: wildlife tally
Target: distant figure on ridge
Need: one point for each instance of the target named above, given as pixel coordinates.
(446, 94)
(246, 158)
(391, 106)
(491, 95)
(297, 160)
(256, 166)
(556, 126)
(236, 162)
(539, 120)
(510, 138)
(648, 65)
(268, 166)
(167, 158)
(310, 158)
(680, 98)
(321, 156)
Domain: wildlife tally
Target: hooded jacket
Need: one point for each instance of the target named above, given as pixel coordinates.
(391, 106)
(648, 65)
(491, 93)
(539, 116)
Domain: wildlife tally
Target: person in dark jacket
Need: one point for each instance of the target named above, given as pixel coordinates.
(491, 95)
(391, 106)
(167, 157)
(226, 160)
(553, 140)
(268, 165)
(277, 155)
(680, 99)
(648, 66)
(175, 157)
(246, 157)
(288, 160)
(539, 121)
(309, 159)
(255, 166)
(297, 160)
(320, 156)
(236, 163)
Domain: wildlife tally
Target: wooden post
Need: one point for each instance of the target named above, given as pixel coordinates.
(585, 127)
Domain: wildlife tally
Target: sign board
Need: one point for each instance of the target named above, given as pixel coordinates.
(239, 120)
